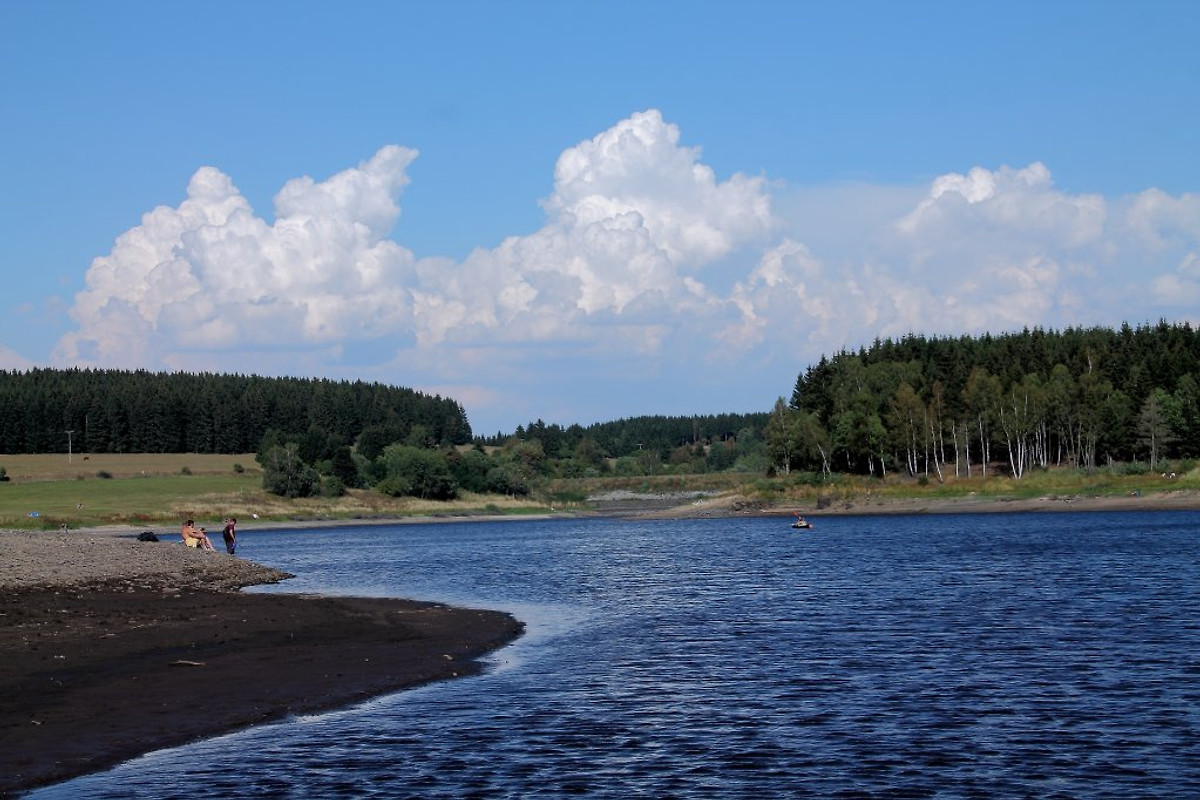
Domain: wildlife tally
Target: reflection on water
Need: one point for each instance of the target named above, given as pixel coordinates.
(951, 656)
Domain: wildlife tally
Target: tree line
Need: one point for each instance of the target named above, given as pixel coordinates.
(413, 466)
(514, 464)
(1034, 399)
(631, 436)
(120, 411)
(315, 436)
(916, 405)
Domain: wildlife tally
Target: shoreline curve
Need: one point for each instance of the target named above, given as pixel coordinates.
(115, 648)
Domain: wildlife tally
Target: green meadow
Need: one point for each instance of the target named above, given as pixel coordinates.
(153, 491)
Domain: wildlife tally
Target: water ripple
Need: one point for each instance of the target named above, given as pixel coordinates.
(948, 657)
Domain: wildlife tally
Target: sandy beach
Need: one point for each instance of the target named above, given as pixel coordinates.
(115, 647)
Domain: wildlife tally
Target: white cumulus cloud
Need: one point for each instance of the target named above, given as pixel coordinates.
(986, 250)
(1169, 230)
(211, 275)
(648, 267)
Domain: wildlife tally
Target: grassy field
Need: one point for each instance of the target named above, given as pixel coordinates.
(156, 491)
(81, 466)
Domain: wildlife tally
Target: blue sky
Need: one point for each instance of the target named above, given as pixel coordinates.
(580, 212)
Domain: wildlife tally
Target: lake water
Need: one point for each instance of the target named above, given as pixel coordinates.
(989, 656)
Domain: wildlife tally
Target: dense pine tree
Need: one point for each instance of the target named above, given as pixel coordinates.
(113, 411)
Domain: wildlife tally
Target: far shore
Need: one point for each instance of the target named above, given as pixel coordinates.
(867, 504)
(1181, 500)
(697, 505)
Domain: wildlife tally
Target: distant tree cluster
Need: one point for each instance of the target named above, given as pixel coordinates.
(416, 464)
(1024, 400)
(114, 411)
(638, 435)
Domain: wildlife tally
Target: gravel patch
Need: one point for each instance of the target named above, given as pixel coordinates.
(44, 558)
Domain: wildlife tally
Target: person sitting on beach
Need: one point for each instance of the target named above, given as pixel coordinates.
(195, 537)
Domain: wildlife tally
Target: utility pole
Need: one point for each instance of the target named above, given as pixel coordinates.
(69, 450)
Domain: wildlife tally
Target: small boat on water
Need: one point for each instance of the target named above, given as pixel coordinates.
(801, 522)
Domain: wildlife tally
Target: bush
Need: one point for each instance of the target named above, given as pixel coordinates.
(238, 468)
(417, 472)
(286, 475)
(332, 486)
(572, 468)
(470, 469)
(185, 471)
(507, 479)
(104, 474)
(3, 475)
(393, 486)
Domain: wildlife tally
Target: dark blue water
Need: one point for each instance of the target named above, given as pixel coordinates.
(990, 656)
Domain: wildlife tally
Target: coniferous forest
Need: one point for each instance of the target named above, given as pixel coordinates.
(625, 437)
(112, 411)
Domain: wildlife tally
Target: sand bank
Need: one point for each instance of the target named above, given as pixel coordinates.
(114, 647)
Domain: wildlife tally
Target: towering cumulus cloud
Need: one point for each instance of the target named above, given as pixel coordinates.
(1000, 249)
(210, 275)
(633, 221)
